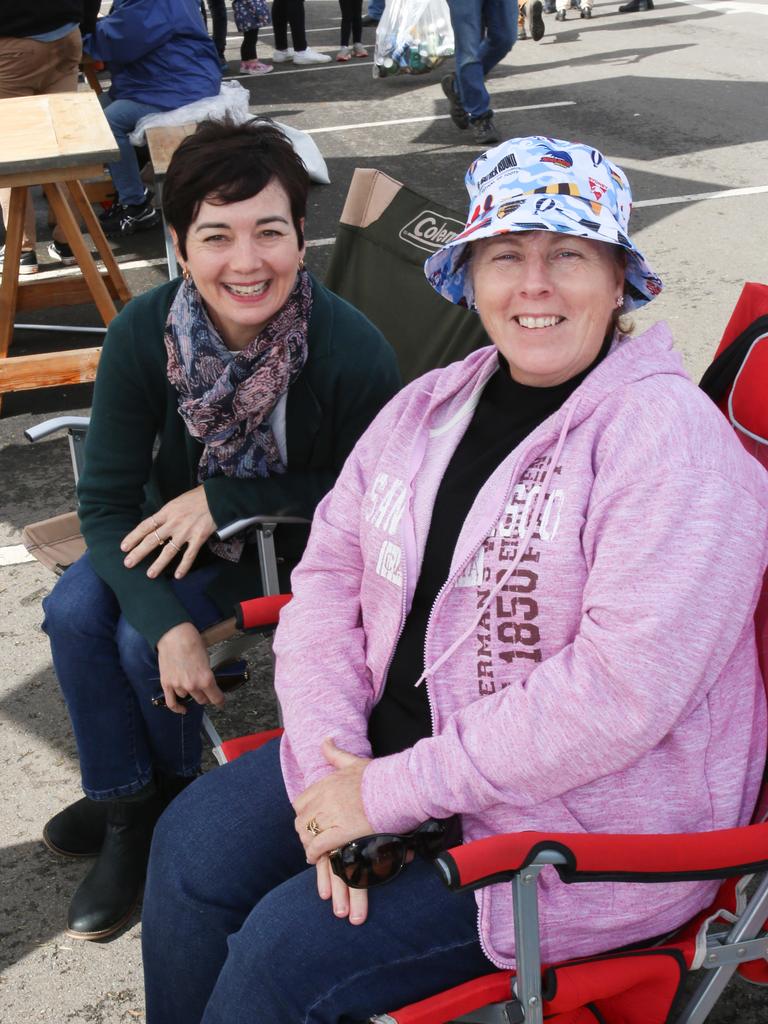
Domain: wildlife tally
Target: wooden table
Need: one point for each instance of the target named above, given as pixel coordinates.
(55, 141)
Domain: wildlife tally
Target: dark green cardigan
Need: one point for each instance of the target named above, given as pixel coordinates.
(140, 455)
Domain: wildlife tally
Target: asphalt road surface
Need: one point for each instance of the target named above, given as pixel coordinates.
(677, 96)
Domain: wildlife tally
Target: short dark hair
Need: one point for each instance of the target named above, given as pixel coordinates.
(226, 162)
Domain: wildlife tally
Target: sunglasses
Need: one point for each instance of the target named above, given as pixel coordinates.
(229, 676)
(374, 860)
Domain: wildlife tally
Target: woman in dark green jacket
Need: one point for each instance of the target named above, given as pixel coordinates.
(238, 391)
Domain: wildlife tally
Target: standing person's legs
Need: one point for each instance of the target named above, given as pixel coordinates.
(30, 68)
(500, 18)
(218, 9)
(295, 14)
(280, 27)
(248, 44)
(467, 22)
(228, 874)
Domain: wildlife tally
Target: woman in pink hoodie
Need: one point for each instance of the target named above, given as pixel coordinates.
(526, 604)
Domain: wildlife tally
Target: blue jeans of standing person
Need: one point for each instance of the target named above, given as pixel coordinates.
(375, 9)
(233, 930)
(108, 674)
(484, 33)
(122, 116)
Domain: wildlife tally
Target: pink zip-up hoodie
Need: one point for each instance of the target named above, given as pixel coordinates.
(590, 662)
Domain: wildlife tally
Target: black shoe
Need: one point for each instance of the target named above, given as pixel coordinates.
(484, 130)
(109, 893)
(27, 262)
(535, 18)
(560, 16)
(459, 116)
(138, 218)
(78, 830)
(636, 5)
(62, 253)
(369, 20)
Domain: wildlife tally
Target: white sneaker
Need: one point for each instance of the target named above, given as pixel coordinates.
(310, 56)
(281, 56)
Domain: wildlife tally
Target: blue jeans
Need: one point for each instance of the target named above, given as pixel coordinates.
(233, 929)
(122, 116)
(108, 674)
(375, 9)
(484, 33)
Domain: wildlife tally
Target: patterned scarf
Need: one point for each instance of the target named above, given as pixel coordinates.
(226, 397)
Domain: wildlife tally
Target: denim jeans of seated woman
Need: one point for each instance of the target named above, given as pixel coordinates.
(234, 932)
(484, 33)
(105, 670)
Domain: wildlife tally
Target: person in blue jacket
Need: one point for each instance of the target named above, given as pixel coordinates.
(160, 57)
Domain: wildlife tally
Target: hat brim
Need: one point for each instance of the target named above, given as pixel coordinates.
(448, 270)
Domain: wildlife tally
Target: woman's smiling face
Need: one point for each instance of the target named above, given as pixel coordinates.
(546, 300)
(243, 258)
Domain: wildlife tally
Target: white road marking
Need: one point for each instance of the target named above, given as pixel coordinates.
(432, 117)
(696, 197)
(726, 6)
(15, 554)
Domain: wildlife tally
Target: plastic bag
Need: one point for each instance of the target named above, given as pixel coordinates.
(250, 14)
(233, 101)
(413, 37)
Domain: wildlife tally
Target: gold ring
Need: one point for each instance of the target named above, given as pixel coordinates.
(160, 540)
(174, 546)
(313, 827)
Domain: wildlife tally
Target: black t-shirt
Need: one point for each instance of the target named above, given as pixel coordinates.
(506, 414)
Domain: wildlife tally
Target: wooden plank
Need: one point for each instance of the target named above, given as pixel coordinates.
(94, 228)
(10, 285)
(48, 370)
(36, 177)
(65, 129)
(58, 291)
(68, 225)
(163, 143)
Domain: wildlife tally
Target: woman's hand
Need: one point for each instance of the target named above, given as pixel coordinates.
(346, 902)
(335, 803)
(185, 669)
(184, 521)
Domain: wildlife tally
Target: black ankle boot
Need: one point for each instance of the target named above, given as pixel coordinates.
(78, 830)
(109, 893)
(633, 6)
(169, 786)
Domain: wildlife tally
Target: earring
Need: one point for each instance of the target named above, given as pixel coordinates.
(186, 274)
(619, 302)
(301, 263)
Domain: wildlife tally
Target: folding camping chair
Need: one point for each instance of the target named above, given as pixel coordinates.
(638, 985)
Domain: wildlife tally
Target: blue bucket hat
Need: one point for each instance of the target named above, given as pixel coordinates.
(540, 184)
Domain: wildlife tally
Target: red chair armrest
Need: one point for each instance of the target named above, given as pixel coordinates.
(597, 857)
(260, 612)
